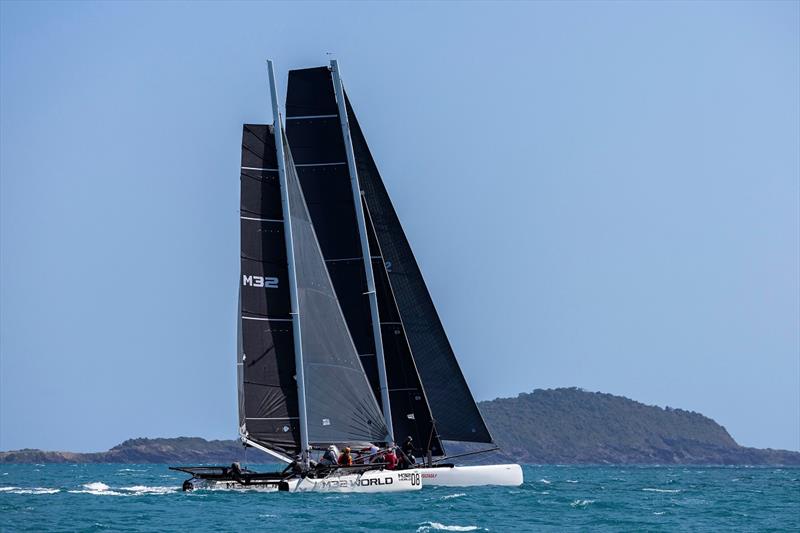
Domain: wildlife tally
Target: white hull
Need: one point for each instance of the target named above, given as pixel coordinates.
(509, 475)
(372, 481)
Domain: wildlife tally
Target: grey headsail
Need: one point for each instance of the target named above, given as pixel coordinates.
(268, 411)
(340, 404)
(454, 409)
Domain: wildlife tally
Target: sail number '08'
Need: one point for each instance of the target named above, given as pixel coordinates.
(259, 281)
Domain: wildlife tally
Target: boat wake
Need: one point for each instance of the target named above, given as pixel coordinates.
(99, 488)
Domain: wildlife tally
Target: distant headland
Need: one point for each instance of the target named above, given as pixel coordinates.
(554, 426)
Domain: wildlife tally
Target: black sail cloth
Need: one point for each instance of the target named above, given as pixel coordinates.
(341, 408)
(268, 411)
(454, 409)
(340, 403)
(315, 135)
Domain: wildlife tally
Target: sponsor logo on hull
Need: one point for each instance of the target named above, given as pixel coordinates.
(349, 483)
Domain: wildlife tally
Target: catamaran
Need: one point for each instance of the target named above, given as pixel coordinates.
(339, 340)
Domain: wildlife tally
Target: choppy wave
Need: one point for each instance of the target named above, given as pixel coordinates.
(29, 490)
(546, 482)
(671, 491)
(436, 526)
(582, 503)
(97, 488)
(450, 496)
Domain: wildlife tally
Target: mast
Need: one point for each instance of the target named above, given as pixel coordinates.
(362, 234)
(295, 309)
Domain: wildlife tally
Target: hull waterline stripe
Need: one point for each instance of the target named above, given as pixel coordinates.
(261, 169)
(307, 117)
(320, 164)
(262, 219)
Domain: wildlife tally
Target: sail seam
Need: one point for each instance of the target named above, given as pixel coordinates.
(262, 219)
(261, 169)
(306, 117)
(320, 164)
(267, 319)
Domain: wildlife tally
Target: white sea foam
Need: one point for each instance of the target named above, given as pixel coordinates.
(659, 513)
(458, 495)
(671, 491)
(29, 490)
(98, 488)
(436, 526)
(582, 503)
(572, 481)
(546, 482)
(138, 490)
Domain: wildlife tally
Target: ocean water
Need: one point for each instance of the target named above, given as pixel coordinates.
(553, 498)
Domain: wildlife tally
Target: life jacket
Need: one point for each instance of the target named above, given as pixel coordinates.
(345, 459)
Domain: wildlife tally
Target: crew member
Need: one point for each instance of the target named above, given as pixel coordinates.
(329, 457)
(345, 459)
(409, 450)
(390, 458)
(373, 454)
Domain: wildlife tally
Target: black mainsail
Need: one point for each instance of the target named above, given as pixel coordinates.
(300, 377)
(268, 410)
(315, 133)
(454, 409)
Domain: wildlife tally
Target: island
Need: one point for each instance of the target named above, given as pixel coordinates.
(553, 426)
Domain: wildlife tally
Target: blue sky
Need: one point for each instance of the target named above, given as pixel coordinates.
(603, 195)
